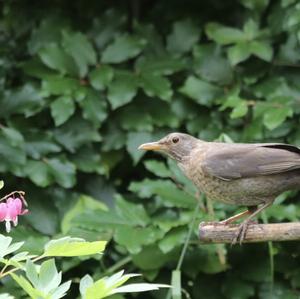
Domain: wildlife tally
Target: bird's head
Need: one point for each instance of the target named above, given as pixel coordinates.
(175, 145)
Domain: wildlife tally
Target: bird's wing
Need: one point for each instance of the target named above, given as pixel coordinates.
(250, 160)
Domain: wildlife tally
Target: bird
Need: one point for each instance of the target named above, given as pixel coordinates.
(243, 174)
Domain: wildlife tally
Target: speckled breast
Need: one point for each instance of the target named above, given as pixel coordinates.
(244, 191)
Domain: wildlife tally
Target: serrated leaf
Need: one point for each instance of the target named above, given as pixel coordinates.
(63, 171)
(56, 58)
(224, 35)
(78, 46)
(62, 109)
(262, 49)
(101, 77)
(202, 92)
(122, 89)
(155, 85)
(238, 53)
(123, 48)
(94, 108)
(184, 35)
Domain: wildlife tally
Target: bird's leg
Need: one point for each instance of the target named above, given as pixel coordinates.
(235, 217)
(242, 229)
(229, 220)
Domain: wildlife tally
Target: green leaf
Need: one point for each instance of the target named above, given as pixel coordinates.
(63, 171)
(159, 65)
(134, 139)
(123, 48)
(1, 184)
(122, 89)
(39, 173)
(224, 35)
(27, 287)
(75, 133)
(57, 85)
(155, 85)
(78, 46)
(68, 247)
(101, 77)
(240, 110)
(202, 92)
(210, 64)
(94, 108)
(166, 191)
(158, 168)
(56, 58)
(239, 53)
(262, 49)
(84, 202)
(26, 100)
(62, 109)
(133, 238)
(274, 117)
(184, 35)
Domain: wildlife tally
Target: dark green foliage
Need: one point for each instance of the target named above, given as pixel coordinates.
(83, 83)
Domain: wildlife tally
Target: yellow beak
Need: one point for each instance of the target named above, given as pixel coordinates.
(151, 146)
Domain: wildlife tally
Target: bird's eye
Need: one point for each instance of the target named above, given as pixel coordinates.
(175, 139)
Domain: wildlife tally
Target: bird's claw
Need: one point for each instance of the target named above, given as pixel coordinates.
(241, 233)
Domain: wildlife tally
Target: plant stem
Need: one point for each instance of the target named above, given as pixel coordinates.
(118, 265)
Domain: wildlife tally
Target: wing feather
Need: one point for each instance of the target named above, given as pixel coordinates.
(250, 160)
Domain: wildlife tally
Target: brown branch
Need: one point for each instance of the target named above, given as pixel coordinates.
(213, 234)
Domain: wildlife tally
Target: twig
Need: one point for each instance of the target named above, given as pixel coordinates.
(210, 233)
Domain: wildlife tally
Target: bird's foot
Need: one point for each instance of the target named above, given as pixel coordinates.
(241, 232)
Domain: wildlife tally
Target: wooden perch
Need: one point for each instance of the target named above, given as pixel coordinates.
(213, 234)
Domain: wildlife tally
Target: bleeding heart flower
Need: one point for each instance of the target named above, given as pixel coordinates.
(10, 211)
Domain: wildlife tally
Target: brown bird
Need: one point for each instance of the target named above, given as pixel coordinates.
(235, 173)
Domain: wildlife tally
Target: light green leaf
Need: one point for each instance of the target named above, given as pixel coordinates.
(73, 247)
(239, 53)
(262, 49)
(240, 110)
(123, 48)
(1, 184)
(62, 109)
(184, 35)
(101, 77)
(202, 92)
(78, 46)
(274, 117)
(27, 287)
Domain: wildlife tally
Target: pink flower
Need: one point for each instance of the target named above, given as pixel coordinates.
(10, 211)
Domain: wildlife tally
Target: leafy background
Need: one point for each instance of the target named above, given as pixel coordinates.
(82, 84)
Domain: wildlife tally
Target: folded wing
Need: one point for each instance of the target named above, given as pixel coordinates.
(250, 160)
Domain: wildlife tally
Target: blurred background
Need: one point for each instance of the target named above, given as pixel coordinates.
(83, 83)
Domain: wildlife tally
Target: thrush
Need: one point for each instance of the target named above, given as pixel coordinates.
(243, 174)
